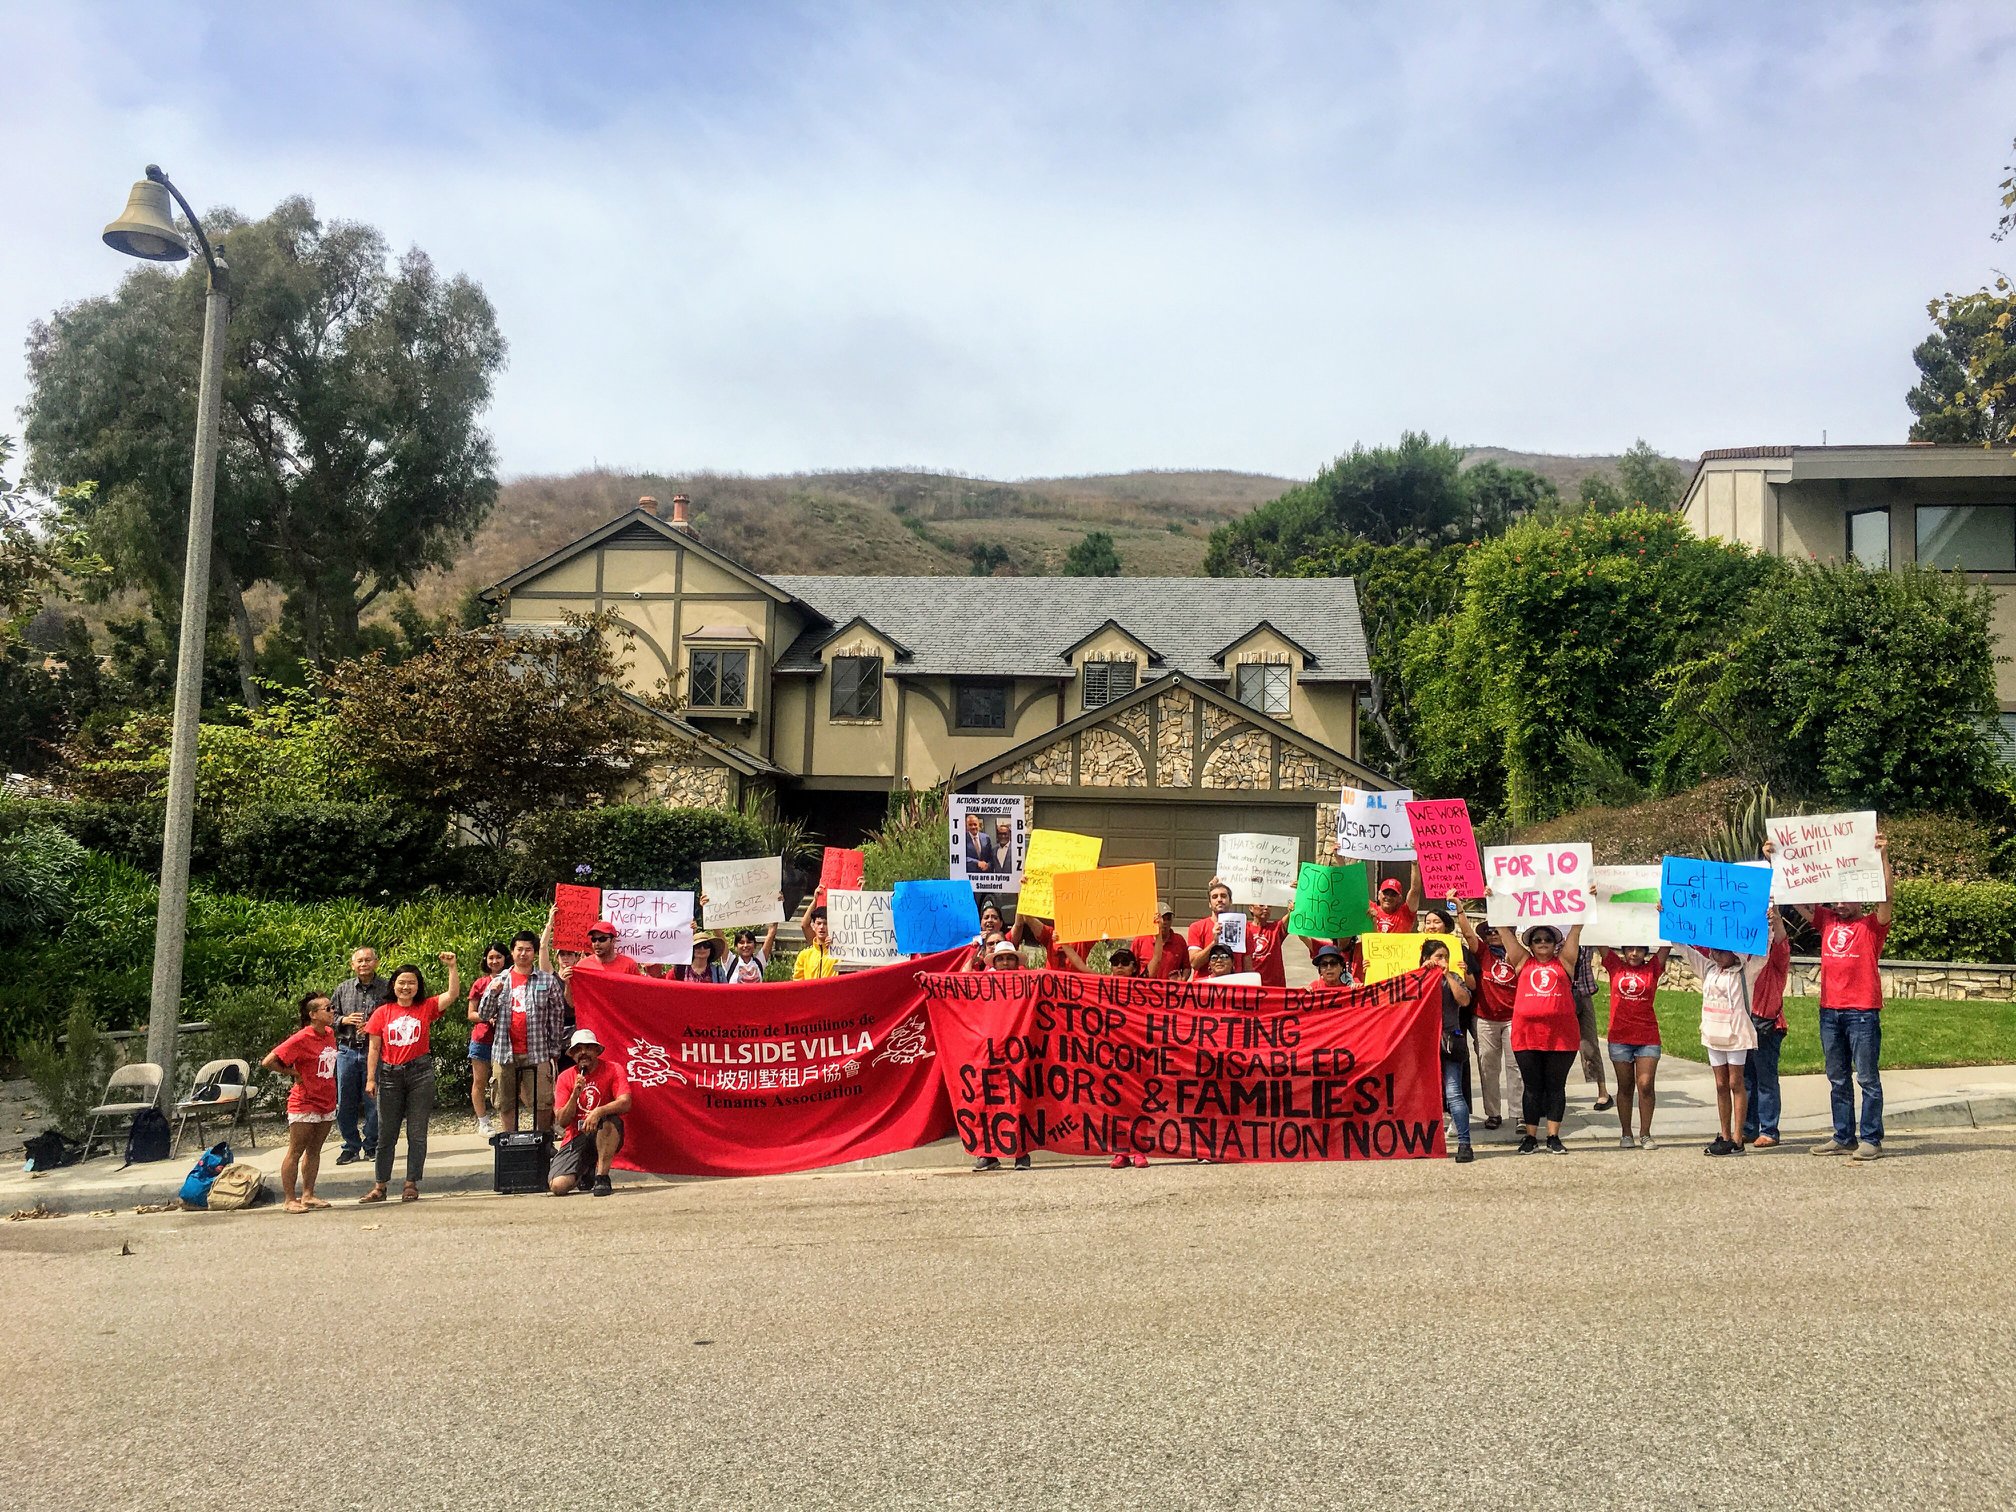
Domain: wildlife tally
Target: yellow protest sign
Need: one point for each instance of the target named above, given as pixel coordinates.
(1107, 903)
(1391, 955)
(1051, 852)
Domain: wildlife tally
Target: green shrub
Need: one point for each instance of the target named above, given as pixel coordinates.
(1954, 921)
(127, 832)
(1946, 848)
(334, 850)
(39, 866)
(1638, 835)
(628, 845)
(70, 1078)
(911, 845)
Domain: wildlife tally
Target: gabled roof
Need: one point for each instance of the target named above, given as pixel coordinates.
(1010, 627)
(1163, 684)
(745, 762)
(1308, 656)
(861, 622)
(639, 525)
(1154, 656)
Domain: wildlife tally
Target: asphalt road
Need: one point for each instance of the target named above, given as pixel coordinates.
(1601, 1330)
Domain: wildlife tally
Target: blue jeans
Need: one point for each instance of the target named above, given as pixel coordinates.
(1760, 1083)
(350, 1101)
(1454, 1103)
(1852, 1040)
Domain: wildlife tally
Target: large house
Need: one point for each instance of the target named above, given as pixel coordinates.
(1883, 506)
(1156, 712)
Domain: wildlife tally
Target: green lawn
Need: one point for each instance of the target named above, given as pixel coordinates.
(1916, 1032)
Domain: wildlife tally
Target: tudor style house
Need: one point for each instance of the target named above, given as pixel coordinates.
(1157, 712)
(1941, 506)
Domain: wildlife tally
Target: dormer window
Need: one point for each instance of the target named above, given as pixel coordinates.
(1263, 686)
(1104, 681)
(857, 688)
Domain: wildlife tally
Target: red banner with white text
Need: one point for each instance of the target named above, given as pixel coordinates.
(771, 1077)
(1178, 1070)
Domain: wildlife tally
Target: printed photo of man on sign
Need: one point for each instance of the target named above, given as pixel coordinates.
(990, 835)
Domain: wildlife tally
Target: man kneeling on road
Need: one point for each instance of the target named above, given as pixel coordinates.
(589, 1102)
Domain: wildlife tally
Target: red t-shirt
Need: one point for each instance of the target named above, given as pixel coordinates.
(1263, 951)
(1632, 1021)
(1399, 919)
(1497, 987)
(1046, 936)
(1543, 1011)
(1767, 998)
(1175, 957)
(1849, 949)
(618, 964)
(403, 1033)
(1203, 934)
(514, 1013)
(311, 1055)
(606, 1083)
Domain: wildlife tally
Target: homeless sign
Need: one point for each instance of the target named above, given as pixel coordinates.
(769, 1077)
(1097, 1065)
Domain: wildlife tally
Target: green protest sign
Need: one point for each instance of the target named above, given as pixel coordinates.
(1331, 902)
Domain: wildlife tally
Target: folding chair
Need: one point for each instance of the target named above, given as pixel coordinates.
(141, 1081)
(232, 1104)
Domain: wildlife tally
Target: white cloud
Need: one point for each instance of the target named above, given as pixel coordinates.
(1021, 240)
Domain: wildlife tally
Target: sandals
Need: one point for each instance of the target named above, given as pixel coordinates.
(297, 1206)
(314, 1202)
(412, 1192)
(376, 1194)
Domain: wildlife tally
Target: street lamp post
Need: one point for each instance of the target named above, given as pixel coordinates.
(148, 230)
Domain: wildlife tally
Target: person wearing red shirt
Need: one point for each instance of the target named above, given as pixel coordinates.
(1546, 1035)
(1056, 957)
(1497, 988)
(1633, 1037)
(310, 1056)
(1851, 1017)
(1265, 936)
(1760, 1069)
(603, 954)
(1391, 913)
(1164, 955)
(589, 1101)
(495, 959)
(400, 1071)
(1203, 933)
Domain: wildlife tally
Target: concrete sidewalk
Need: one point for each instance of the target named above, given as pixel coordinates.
(460, 1164)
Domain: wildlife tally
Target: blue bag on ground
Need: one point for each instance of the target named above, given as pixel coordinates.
(203, 1175)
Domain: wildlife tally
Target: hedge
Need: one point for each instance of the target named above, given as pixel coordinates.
(627, 845)
(336, 850)
(1953, 921)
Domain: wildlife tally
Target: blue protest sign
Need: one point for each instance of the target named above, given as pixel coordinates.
(936, 914)
(1714, 905)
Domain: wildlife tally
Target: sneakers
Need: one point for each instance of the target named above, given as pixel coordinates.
(987, 1163)
(1626, 1142)
(1120, 1162)
(1464, 1155)
(601, 1188)
(1868, 1152)
(483, 1130)
(1494, 1122)
(1140, 1161)
(1554, 1145)
(349, 1157)
(1528, 1145)
(1719, 1146)
(1021, 1162)
(1647, 1142)
(1834, 1147)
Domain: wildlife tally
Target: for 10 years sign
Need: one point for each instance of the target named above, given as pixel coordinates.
(1097, 1065)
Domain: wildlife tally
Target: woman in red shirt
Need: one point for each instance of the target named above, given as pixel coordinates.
(1546, 1036)
(1633, 1036)
(310, 1056)
(495, 959)
(400, 1071)
(1497, 988)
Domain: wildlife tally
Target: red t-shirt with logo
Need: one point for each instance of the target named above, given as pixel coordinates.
(311, 1055)
(1543, 1009)
(515, 1011)
(1263, 951)
(1632, 1020)
(1497, 987)
(1849, 950)
(1399, 919)
(617, 965)
(1046, 936)
(403, 1033)
(1767, 998)
(605, 1084)
(1175, 957)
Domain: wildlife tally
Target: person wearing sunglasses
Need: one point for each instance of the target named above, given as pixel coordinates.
(603, 954)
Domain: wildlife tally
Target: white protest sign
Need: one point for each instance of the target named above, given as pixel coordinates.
(990, 836)
(861, 927)
(1625, 909)
(1825, 858)
(1537, 884)
(1234, 979)
(1372, 826)
(653, 928)
(1260, 868)
(1232, 932)
(743, 892)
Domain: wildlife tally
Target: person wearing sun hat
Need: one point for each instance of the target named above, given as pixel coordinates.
(1546, 1036)
(1006, 956)
(589, 1101)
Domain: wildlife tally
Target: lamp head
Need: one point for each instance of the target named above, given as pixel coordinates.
(147, 229)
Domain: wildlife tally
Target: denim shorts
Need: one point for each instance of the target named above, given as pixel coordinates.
(1621, 1053)
(479, 1050)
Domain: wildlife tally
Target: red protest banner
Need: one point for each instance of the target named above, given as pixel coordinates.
(1095, 1065)
(841, 869)
(1446, 847)
(779, 1076)
(574, 909)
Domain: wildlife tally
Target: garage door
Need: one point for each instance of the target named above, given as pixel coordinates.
(1180, 838)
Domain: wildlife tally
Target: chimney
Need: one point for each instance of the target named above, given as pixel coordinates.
(679, 520)
(648, 504)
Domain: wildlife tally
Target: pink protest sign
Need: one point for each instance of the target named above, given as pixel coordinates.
(1446, 847)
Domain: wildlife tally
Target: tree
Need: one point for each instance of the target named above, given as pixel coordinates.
(1850, 687)
(37, 547)
(1413, 494)
(1966, 389)
(1644, 478)
(494, 727)
(351, 460)
(986, 556)
(1093, 556)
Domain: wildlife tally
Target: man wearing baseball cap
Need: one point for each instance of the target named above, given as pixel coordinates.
(1392, 913)
(603, 954)
(1164, 955)
(589, 1102)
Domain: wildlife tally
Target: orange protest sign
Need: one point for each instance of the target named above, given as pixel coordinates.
(1107, 903)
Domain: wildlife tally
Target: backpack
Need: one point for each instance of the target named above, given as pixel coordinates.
(196, 1185)
(148, 1138)
(237, 1186)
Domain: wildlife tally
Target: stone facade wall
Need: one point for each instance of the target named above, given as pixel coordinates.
(1107, 758)
(1942, 981)
(1326, 834)
(1244, 760)
(694, 785)
(1305, 771)
(1175, 740)
(1049, 767)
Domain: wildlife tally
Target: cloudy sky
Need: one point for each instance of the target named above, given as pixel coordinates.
(1022, 239)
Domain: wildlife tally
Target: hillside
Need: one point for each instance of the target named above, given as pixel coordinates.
(903, 521)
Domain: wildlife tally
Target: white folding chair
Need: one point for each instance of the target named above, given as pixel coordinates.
(232, 1103)
(141, 1084)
